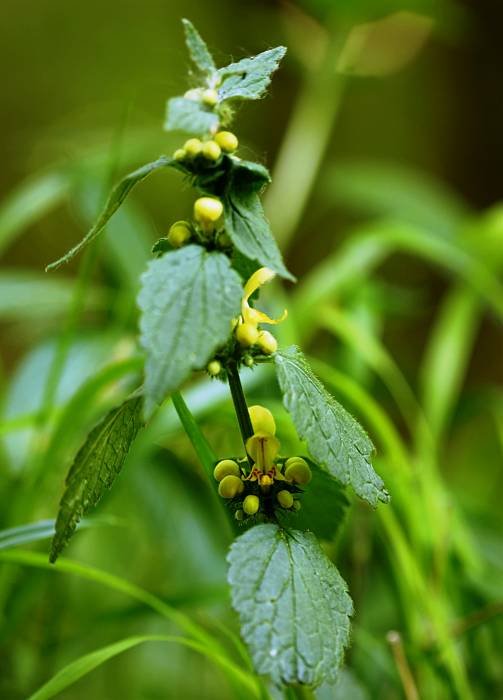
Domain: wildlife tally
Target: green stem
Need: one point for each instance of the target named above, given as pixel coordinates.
(239, 401)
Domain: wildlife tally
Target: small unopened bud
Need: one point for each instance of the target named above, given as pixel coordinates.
(193, 147)
(179, 233)
(247, 334)
(230, 486)
(239, 515)
(210, 97)
(248, 361)
(211, 151)
(298, 471)
(251, 504)
(227, 467)
(227, 141)
(267, 342)
(285, 498)
(214, 368)
(207, 210)
(297, 506)
(262, 420)
(180, 154)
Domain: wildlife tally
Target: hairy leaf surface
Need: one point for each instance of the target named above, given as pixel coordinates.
(334, 438)
(95, 467)
(190, 116)
(116, 198)
(249, 78)
(188, 298)
(198, 50)
(293, 604)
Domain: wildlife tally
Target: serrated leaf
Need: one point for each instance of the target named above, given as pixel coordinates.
(293, 605)
(116, 198)
(97, 464)
(249, 230)
(334, 438)
(249, 78)
(188, 298)
(190, 116)
(198, 50)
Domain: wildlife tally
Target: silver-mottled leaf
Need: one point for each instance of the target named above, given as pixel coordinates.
(198, 50)
(190, 116)
(249, 78)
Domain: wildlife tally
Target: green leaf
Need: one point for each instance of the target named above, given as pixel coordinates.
(249, 230)
(249, 78)
(293, 605)
(198, 50)
(116, 198)
(190, 116)
(324, 505)
(334, 438)
(188, 299)
(95, 467)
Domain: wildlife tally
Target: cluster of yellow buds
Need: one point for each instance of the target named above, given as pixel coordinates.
(209, 151)
(271, 482)
(207, 214)
(246, 328)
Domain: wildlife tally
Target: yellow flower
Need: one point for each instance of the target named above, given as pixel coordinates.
(248, 313)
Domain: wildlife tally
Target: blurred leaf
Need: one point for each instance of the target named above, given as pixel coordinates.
(116, 198)
(385, 46)
(95, 468)
(198, 50)
(191, 116)
(249, 78)
(334, 438)
(29, 202)
(382, 188)
(188, 299)
(203, 450)
(26, 295)
(293, 605)
(41, 530)
(324, 505)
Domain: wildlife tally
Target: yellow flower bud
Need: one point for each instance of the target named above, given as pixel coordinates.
(179, 233)
(211, 151)
(262, 420)
(251, 504)
(225, 468)
(210, 97)
(246, 334)
(298, 471)
(180, 154)
(248, 361)
(230, 486)
(267, 342)
(214, 368)
(285, 498)
(227, 141)
(193, 147)
(207, 210)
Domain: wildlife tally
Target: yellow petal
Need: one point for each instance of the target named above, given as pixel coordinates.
(259, 277)
(251, 315)
(262, 448)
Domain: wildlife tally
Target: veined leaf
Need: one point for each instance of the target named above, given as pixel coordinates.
(249, 230)
(293, 605)
(190, 116)
(334, 438)
(95, 467)
(249, 78)
(188, 299)
(198, 50)
(116, 198)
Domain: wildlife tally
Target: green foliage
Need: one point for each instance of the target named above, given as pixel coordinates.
(190, 116)
(249, 78)
(188, 298)
(293, 605)
(95, 468)
(334, 438)
(198, 50)
(116, 198)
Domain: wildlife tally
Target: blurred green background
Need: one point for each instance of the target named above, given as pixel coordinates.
(383, 133)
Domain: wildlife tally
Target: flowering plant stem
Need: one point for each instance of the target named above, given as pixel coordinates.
(239, 401)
